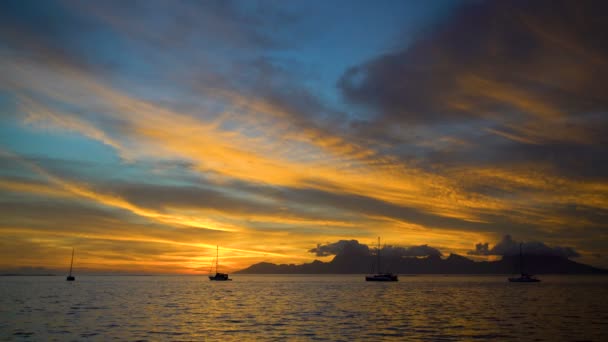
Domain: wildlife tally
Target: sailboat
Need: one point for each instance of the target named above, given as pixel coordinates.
(70, 276)
(524, 277)
(381, 276)
(218, 276)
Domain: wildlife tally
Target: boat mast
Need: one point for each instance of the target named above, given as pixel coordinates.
(378, 255)
(71, 262)
(521, 259)
(217, 257)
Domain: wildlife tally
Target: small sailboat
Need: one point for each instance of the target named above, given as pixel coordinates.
(381, 276)
(524, 277)
(218, 276)
(70, 276)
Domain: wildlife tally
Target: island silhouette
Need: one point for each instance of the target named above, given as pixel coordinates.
(351, 257)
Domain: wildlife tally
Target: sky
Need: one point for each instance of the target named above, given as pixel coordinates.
(146, 133)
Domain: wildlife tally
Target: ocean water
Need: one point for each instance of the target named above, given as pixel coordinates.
(303, 307)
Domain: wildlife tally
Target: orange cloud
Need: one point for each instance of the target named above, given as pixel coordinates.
(256, 142)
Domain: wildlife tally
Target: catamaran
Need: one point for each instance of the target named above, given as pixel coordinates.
(70, 276)
(381, 276)
(218, 276)
(524, 277)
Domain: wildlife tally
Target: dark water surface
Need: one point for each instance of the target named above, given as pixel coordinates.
(303, 308)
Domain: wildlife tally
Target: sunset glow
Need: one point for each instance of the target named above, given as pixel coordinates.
(145, 134)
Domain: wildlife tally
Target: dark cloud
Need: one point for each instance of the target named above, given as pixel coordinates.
(518, 87)
(172, 187)
(340, 247)
(490, 57)
(507, 246)
(303, 203)
(232, 198)
(372, 207)
(576, 161)
(73, 218)
(353, 247)
(166, 196)
(517, 81)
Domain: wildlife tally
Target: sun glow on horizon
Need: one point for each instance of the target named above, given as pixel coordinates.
(146, 151)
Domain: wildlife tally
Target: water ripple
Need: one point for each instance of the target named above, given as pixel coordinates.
(337, 308)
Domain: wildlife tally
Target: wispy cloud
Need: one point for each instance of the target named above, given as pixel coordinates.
(84, 191)
(493, 119)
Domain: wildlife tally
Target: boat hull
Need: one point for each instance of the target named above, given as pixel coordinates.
(524, 280)
(219, 277)
(70, 278)
(382, 277)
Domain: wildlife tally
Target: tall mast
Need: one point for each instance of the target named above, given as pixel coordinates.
(521, 259)
(378, 255)
(72, 262)
(217, 257)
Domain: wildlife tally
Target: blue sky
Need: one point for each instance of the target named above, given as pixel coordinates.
(148, 132)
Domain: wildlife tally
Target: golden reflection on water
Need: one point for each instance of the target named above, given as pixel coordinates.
(303, 307)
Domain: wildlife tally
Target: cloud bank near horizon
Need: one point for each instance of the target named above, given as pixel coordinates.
(509, 247)
(505, 247)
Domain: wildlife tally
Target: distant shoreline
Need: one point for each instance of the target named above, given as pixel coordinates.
(303, 274)
(26, 275)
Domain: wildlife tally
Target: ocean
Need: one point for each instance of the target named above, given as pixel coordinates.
(303, 307)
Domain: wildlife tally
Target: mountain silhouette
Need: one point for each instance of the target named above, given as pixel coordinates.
(357, 262)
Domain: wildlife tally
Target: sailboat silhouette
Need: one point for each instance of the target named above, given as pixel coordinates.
(524, 277)
(381, 276)
(218, 276)
(70, 276)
